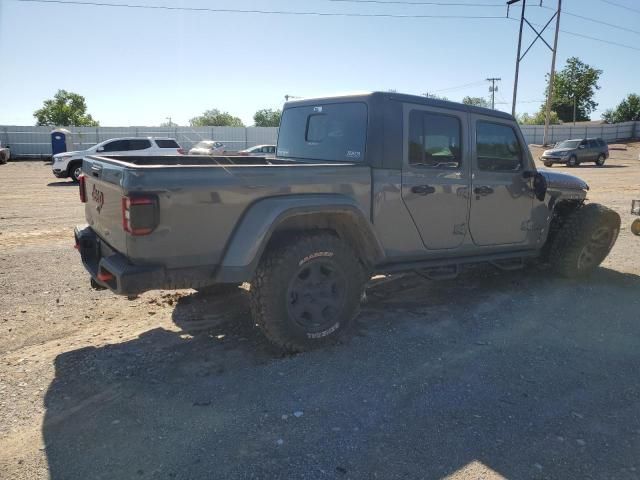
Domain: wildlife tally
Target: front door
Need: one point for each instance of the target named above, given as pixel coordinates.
(501, 196)
(435, 177)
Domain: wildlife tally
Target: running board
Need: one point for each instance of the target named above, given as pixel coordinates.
(500, 260)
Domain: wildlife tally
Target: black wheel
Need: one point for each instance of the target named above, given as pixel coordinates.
(600, 160)
(306, 291)
(75, 170)
(548, 164)
(573, 161)
(3, 158)
(584, 241)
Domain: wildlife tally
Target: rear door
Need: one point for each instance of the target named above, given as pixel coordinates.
(435, 175)
(501, 198)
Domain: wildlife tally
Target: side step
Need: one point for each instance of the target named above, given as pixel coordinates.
(510, 264)
(447, 272)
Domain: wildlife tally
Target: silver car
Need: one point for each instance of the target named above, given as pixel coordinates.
(577, 151)
(259, 151)
(208, 147)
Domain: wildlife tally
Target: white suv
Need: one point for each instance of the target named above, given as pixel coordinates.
(69, 164)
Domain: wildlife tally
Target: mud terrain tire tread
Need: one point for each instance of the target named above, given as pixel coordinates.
(574, 235)
(268, 294)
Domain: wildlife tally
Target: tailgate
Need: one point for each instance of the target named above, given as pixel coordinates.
(103, 209)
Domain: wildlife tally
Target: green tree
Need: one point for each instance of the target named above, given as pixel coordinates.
(267, 118)
(216, 118)
(63, 110)
(477, 101)
(573, 90)
(538, 118)
(628, 110)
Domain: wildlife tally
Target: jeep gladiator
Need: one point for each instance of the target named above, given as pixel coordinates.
(360, 185)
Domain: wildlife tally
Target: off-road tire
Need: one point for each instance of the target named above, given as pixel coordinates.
(584, 241)
(548, 164)
(275, 298)
(573, 161)
(601, 159)
(74, 173)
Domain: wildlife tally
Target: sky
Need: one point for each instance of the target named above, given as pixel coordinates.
(140, 66)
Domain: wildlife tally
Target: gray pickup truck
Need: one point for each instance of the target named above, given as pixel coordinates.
(360, 185)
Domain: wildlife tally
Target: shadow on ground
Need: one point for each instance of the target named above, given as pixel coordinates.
(514, 373)
(62, 184)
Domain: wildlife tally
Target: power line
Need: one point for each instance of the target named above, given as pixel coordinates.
(254, 11)
(586, 36)
(405, 2)
(458, 87)
(595, 20)
(621, 6)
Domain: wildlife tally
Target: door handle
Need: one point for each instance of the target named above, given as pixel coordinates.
(423, 189)
(484, 190)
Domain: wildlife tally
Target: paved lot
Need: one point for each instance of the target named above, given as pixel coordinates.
(494, 375)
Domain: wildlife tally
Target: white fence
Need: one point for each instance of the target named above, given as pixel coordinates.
(36, 141)
(533, 134)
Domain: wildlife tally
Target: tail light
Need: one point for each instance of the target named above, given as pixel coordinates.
(82, 185)
(182, 151)
(140, 214)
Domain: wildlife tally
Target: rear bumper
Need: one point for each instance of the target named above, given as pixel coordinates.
(113, 270)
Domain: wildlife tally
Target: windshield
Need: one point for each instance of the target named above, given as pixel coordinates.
(568, 144)
(334, 132)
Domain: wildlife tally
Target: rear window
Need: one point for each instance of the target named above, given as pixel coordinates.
(334, 132)
(167, 144)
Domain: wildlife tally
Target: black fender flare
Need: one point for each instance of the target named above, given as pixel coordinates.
(262, 218)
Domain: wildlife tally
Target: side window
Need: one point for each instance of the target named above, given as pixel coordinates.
(138, 144)
(593, 144)
(497, 148)
(272, 149)
(116, 146)
(434, 140)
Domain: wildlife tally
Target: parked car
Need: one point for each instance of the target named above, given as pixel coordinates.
(208, 147)
(69, 164)
(259, 151)
(362, 184)
(5, 154)
(577, 151)
(635, 210)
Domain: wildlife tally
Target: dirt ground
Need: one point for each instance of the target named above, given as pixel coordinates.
(493, 375)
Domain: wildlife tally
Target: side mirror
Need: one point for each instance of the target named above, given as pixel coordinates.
(540, 186)
(581, 146)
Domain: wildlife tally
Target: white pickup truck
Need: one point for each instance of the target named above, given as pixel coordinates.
(69, 164)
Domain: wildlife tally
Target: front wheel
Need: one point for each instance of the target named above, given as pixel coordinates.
(306, 291)
(573, 161)
(548, 164)
(600, 160)
(584, 241)
(76, 171)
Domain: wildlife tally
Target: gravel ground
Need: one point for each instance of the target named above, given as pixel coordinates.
(494, 375)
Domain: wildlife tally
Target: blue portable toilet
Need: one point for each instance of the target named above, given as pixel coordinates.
(61, 141)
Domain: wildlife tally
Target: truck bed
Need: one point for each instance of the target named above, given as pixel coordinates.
(201, 200)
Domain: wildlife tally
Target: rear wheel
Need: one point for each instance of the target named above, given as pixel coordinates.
(584, 240)
(307, 291)
(600, 160)
(75, 170)
(573, 161)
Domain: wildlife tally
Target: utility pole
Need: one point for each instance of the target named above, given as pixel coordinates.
(493, 89)
(519, 58)
(169, 118)
(553, 74)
